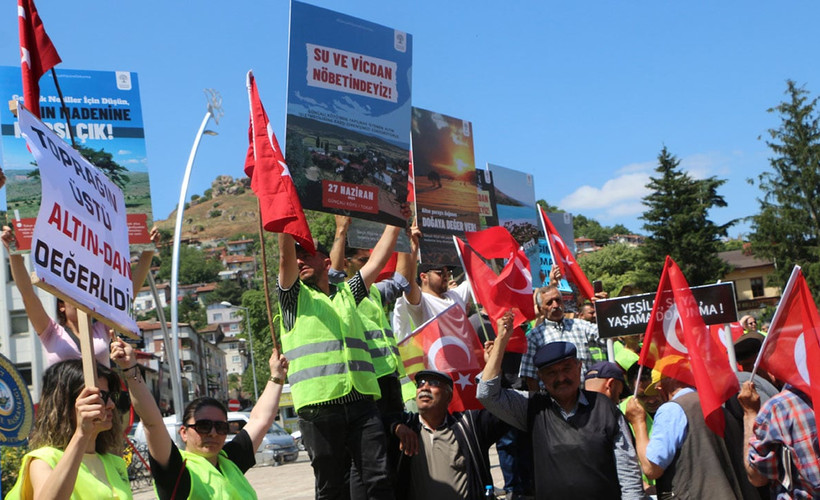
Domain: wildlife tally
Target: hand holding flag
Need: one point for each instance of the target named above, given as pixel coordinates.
(562, 257)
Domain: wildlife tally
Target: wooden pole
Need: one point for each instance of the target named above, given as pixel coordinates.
(87, 349)
(140, 271)
(265, 276)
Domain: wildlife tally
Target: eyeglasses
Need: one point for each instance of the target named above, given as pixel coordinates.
(205, 426)
(432, 382)
(110, 396)
(361, 260)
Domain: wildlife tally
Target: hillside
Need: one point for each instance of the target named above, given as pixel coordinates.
(227, 210)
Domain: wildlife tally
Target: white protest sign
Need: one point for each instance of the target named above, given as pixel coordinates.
(80, 242)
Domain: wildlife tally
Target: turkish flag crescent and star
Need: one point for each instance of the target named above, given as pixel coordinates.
(791, 350)
(563, 258)
(37, 53)
(680, 346)
(279, 205)
(447, 343)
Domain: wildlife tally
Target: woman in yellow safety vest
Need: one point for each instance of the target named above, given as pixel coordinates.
(77, 439)
(208, 468)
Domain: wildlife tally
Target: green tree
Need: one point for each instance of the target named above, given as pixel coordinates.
(787, 230)
(194, 267)
(262, 343)
(102, 160)
(616, 265)
(677, 220)
(226, 290)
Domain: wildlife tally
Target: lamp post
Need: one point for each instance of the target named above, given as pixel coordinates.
(214, 111)
(250, 345)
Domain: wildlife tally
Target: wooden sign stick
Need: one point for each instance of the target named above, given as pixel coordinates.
(87, 349)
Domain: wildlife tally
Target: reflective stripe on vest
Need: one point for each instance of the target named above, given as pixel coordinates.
(207, 481)
(326, 348)
(378, 334)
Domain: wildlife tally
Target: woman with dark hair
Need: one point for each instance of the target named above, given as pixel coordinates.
(77, 439)
(58, 337)
(208, 468)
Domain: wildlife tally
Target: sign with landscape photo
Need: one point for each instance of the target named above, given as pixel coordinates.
(348, 114)
(106, 118)
(445, 179)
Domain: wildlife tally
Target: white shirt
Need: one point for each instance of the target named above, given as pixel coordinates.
(407, 317)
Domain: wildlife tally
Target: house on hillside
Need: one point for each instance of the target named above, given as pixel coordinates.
(238, 265)
(633, 240)
(238, 247)
(144, 301)
(585, 245)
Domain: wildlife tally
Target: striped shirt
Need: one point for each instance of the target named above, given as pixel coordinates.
(583, 334)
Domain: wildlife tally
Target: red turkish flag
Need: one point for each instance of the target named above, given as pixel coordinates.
(562, 257)
(483, 281)
(389, 269)
(679, 345)
(447, 343)
(791, 350)
(37, 53)
(718, 332)
(279, 204)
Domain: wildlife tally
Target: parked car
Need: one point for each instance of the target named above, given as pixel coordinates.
(277, 445)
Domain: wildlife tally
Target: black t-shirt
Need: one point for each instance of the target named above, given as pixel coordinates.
(239, 450)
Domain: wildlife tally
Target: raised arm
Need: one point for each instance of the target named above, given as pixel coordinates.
(504, 328)
(159, 442)
(407, 265)
(636, 415)
(265, 410)
(380, 255)
(337, 251)
(34, 308)
(288, 269)
(749, 400)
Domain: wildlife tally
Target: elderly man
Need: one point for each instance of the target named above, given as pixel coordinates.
(683, 455)
(607, 378)
(443, 455)
(581, 447)
(583, 334)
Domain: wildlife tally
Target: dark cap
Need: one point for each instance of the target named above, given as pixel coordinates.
(553, 352)
(606, 369)
(432, 266)
(748, 345)
(436, 374)
(319, 248)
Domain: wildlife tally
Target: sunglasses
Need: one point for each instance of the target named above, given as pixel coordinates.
(205, 426)
(110, 396)
(432, 382)
(441, 272)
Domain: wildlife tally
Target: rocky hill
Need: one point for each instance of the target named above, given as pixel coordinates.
(228, 210)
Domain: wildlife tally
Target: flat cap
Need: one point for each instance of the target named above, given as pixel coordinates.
(553, 352)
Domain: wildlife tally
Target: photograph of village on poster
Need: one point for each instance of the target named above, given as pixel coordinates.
(348, 114)
(106, 118)
(515, 202)
(445, 178)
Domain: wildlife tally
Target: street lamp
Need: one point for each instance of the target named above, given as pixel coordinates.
(215, 112)
(250, 343)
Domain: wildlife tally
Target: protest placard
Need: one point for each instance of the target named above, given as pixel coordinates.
(445, 180)
(621, 316)
(106, 119)
(348, 115)
(80, 243)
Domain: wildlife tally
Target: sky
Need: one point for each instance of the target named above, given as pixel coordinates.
(583, 95)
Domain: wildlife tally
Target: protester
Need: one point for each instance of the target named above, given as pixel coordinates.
(59, 339)
(587, 313)
(649, 402)
(606, 378)
(749, 323)
(77, 439)
(581, 447)
(429, 295)
(333, 383)
(556, 327)
(780, 439)
(209, 467)
(442, 455)
(684, 456)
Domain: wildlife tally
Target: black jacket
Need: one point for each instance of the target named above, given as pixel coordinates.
(475, 431)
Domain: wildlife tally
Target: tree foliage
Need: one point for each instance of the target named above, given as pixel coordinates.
(677, 220)
(194, 267)
(262, 343)
(616, 265)
(103, 160)
(787, 230)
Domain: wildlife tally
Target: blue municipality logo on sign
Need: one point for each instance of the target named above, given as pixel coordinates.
(16, 410)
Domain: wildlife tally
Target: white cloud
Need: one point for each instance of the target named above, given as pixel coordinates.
(123, 152)
(618, 191)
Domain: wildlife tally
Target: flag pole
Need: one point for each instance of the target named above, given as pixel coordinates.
(638, 380)
(265, 279)
(64, 108)
(786, 293)
(472, 293)
(541, 216)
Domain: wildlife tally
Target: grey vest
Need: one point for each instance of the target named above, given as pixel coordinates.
(702, 468)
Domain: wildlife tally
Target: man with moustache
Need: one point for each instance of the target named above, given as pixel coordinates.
(443, 455)
(581, 447)
(582, 334)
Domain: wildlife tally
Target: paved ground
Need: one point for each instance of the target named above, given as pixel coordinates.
(295, 480)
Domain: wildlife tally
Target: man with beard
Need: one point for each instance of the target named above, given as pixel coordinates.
(443, 455)
(581, 447)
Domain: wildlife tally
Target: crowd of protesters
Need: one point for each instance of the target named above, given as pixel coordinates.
(568, 423)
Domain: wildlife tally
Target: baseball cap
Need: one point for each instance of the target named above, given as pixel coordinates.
(435, 374)
(319, 247)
